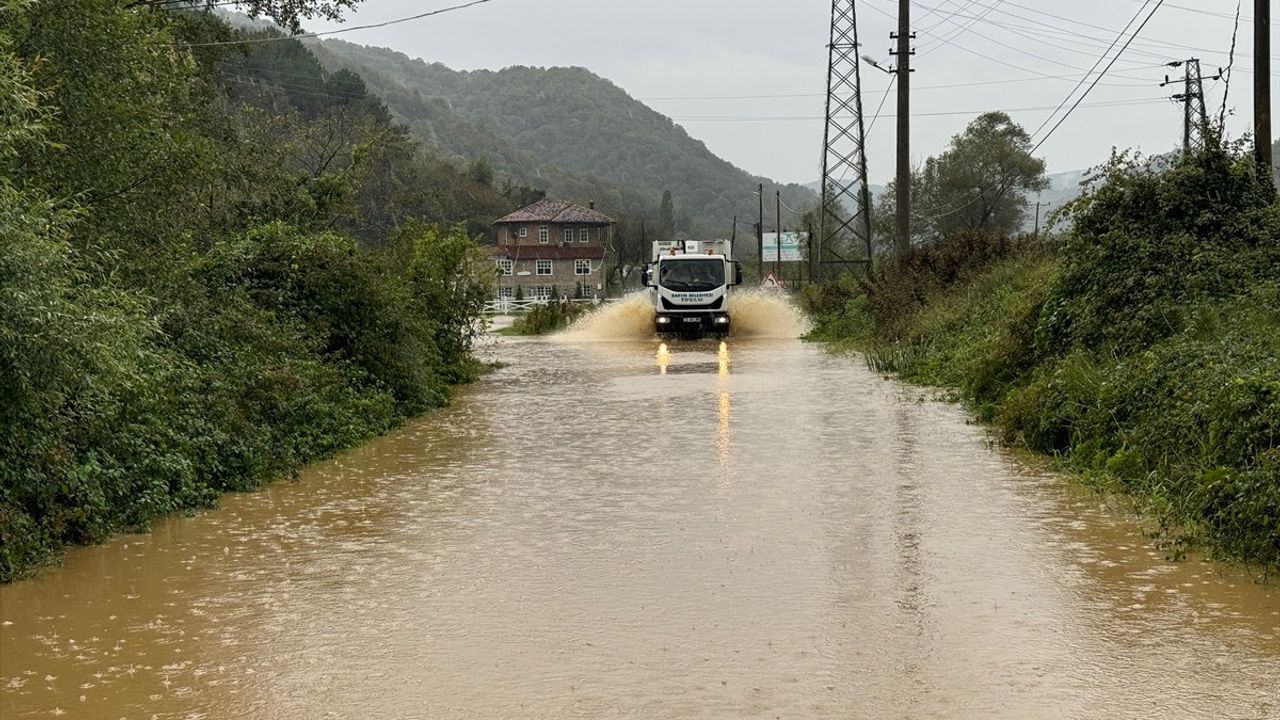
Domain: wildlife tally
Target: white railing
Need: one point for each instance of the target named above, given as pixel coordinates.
(509, 306)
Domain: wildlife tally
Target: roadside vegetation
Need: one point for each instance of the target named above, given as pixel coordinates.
(1141, 348)
(208, 281)
(546, 319)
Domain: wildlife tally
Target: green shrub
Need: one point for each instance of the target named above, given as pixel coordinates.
(1146, 355)
(1148, 242)
(547, 319)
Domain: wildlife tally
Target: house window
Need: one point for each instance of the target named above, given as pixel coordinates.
(544, 235)
(581, 267)
(584, 235)
(540, 292)
(506, 293)
(524, 232)
(568, 235)
(507, 267)
(544, 267)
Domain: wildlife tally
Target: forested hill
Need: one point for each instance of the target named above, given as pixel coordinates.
(563, 129)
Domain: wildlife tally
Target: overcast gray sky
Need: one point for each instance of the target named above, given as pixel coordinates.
(684, 57)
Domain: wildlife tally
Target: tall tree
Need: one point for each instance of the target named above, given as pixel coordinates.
(666, 217)
(978, 184)
(983, 178)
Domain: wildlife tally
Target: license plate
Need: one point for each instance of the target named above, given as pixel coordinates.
(693, 320)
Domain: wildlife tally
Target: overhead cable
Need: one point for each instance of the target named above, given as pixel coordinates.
(277, 38)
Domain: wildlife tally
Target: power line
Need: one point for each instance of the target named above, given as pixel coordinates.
(1074, 107)
(277, 38)
(997, 60)
(1030, 54)
(763, 118)
(1150, 42)
(254, 69)
(1161, 47)
(945, 19)
(272, 84)
(1231, 61)
(1102, 74)
(1210, 13)
(880, 107)
(1096, 63)
(945, 86)
(961, 29)
(1059, 34)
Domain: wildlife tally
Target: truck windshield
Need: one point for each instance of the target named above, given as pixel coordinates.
(691, 275)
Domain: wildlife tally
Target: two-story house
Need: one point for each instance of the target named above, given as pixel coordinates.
(552, 249)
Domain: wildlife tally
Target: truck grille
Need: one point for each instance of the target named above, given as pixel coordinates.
(716, 305)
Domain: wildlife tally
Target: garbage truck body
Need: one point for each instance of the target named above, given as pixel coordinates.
(689, 283)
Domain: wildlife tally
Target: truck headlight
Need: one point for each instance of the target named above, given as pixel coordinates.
(664, 320)
(722, 320)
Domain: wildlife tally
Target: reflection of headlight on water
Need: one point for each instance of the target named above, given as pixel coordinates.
(724, 358)
(664, 358)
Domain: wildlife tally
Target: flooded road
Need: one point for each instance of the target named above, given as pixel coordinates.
(604, 530)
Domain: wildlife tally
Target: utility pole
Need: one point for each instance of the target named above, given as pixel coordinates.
(760, 235)
(1262, 87)
(777, 241)
(1195, 119)
(1038, 204)
(904, 52)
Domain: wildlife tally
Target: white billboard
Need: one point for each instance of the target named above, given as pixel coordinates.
(793, 244)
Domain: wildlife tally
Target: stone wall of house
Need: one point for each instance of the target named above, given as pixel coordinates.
(563, 278)
(510, 235)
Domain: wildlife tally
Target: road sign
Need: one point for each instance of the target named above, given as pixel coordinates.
(793, 246)
(773, 282)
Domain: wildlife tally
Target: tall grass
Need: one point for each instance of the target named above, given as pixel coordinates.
(1144, 354)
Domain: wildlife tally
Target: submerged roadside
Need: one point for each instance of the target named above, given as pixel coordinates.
(1142, 351)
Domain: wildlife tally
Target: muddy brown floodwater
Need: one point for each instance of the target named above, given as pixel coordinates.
(603, 530)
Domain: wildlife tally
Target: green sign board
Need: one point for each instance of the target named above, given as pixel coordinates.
(793, 246)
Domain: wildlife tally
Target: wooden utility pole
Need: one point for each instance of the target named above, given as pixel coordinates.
(777, 240)
(904, 52)
(760, 235)
(1262, 86)
(1038, 204)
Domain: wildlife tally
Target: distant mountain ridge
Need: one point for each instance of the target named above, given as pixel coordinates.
(567, 130)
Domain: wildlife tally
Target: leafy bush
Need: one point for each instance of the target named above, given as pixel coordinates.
(1149, 241)
(156, 350)
(547, 319)
(1146, 355)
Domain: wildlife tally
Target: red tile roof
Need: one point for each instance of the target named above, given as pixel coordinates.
(547, 252)
(556, 211)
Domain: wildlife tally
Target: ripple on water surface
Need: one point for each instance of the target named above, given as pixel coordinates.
(623, 529)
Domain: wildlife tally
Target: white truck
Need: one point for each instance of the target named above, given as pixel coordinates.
(689, 285)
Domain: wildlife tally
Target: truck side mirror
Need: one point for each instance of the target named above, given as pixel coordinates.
(646, 276)
(737, 273)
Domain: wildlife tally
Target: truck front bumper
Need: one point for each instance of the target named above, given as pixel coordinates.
(696, 324)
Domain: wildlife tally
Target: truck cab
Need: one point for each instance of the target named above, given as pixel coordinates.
(689, 283)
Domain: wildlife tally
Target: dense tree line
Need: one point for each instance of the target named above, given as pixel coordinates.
(217, 263)
(564, 129)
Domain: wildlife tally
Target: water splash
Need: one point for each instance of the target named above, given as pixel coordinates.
(763, 314)
(630, 319)
(755, 314)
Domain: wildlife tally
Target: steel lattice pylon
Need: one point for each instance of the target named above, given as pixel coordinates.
(844, 155)
(1195, 119)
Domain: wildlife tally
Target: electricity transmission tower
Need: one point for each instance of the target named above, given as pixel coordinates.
(844, 157)
(1195, 120)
